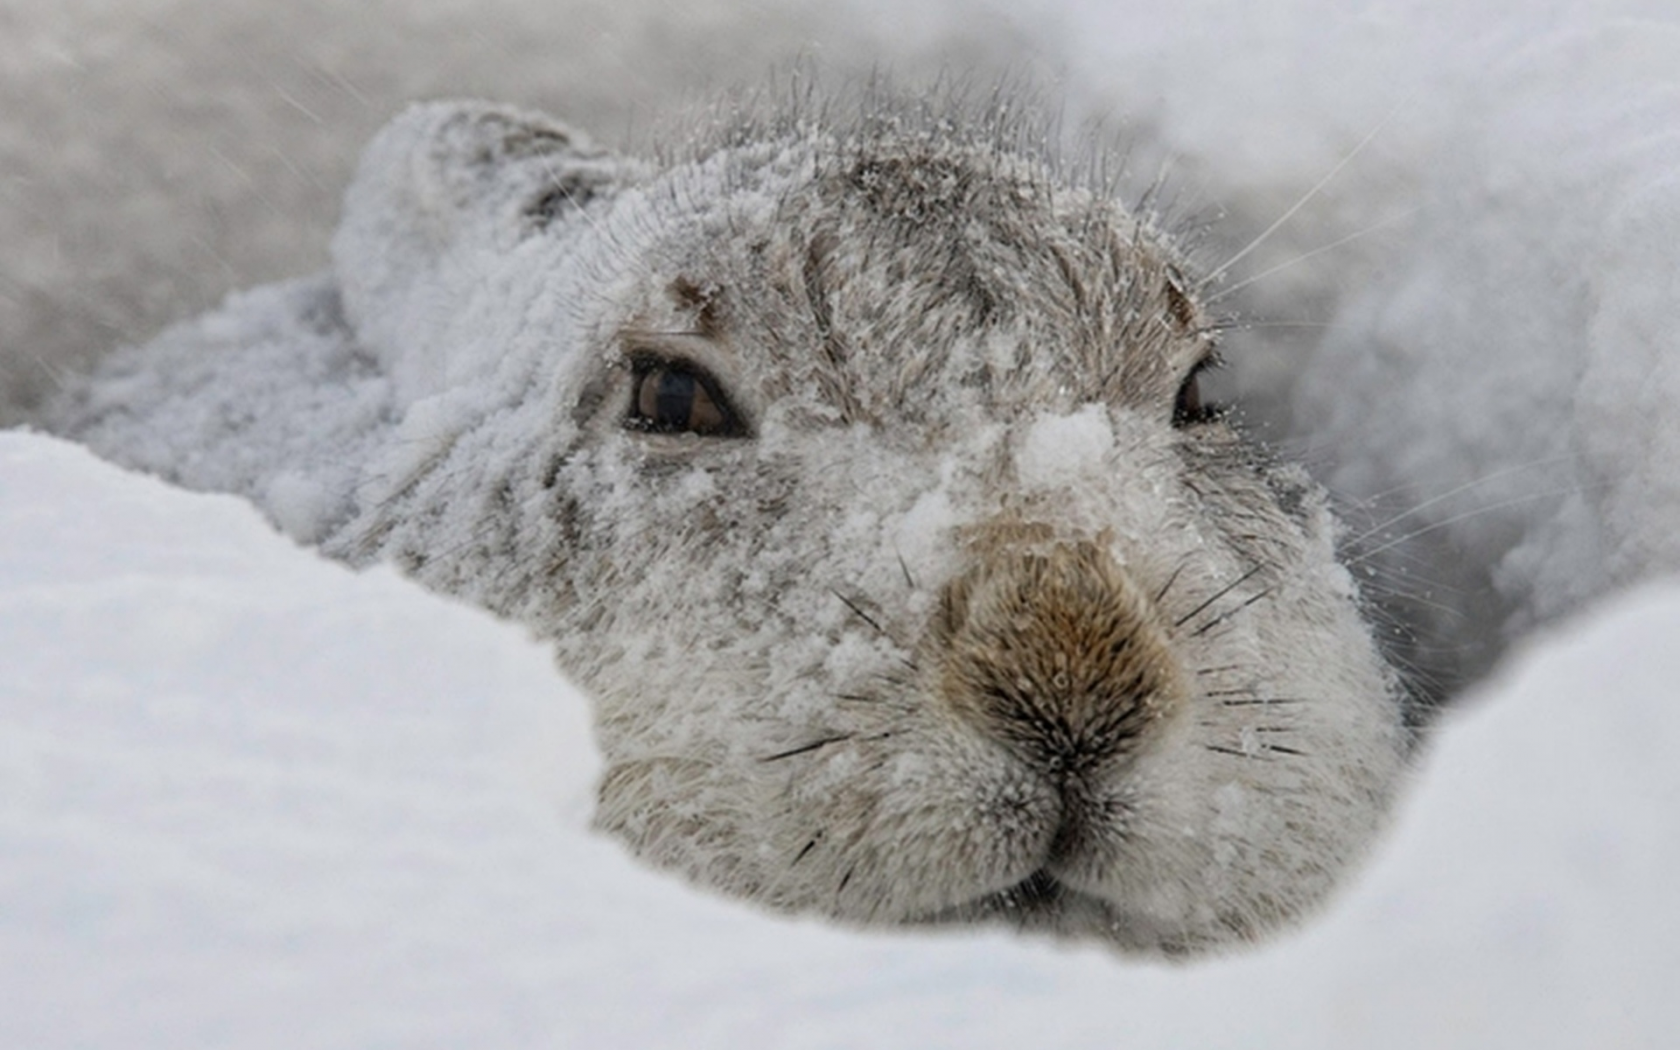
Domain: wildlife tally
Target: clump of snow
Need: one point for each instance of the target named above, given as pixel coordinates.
(300, 505)
(268, 436)
(251, 799)
(922, 530)
(1057, 449)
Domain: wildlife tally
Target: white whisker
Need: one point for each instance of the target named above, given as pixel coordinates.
(1519, 501)
(1437, 500)
(1304, 200)
(1333, 245)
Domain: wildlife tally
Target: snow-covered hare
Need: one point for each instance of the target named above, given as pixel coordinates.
(856, 468)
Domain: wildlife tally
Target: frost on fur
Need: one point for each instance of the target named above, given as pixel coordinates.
(855, 468)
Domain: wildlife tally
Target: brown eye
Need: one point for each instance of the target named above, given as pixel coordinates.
(673, 398)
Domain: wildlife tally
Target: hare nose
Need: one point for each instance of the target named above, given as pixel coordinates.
(1054, 651)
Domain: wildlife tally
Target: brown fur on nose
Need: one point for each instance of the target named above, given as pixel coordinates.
(1055, 651)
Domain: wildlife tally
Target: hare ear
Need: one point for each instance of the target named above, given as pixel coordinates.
(441, 184)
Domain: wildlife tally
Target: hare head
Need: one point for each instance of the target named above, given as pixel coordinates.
(857, 469)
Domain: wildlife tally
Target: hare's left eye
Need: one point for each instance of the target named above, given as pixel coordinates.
(674, 397)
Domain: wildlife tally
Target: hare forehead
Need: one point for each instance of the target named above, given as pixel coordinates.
(883, 278)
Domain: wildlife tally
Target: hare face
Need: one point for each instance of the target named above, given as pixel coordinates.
(913, 582)
(860, 476)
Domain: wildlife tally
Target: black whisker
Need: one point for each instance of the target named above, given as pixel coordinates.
(904, 567)
(1170, 581)
(809, 846)
(1227, 589)
(865, 617)
(804, 748)
(1216, 621)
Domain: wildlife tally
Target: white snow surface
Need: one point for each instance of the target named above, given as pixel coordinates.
(248, 798)
(251, 799)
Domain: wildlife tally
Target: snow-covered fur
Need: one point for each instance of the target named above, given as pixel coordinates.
(856, 468)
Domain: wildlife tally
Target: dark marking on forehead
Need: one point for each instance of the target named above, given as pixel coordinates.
(914, 188)
(836, 349)
(1178, 300)
(815, 274)
(706, 302)
(944, 222)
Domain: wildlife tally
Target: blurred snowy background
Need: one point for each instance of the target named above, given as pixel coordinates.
(250, 799)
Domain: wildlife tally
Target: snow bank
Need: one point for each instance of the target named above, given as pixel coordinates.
(250, 799)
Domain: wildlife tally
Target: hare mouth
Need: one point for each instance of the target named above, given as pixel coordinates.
(1042, 902)
(1043, 897)
(1036, 899)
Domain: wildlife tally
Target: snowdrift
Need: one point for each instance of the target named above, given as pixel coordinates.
(253, 799)
(248, 798)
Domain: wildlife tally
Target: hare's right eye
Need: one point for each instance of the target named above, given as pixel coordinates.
(1190, 408)
(672, 397)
